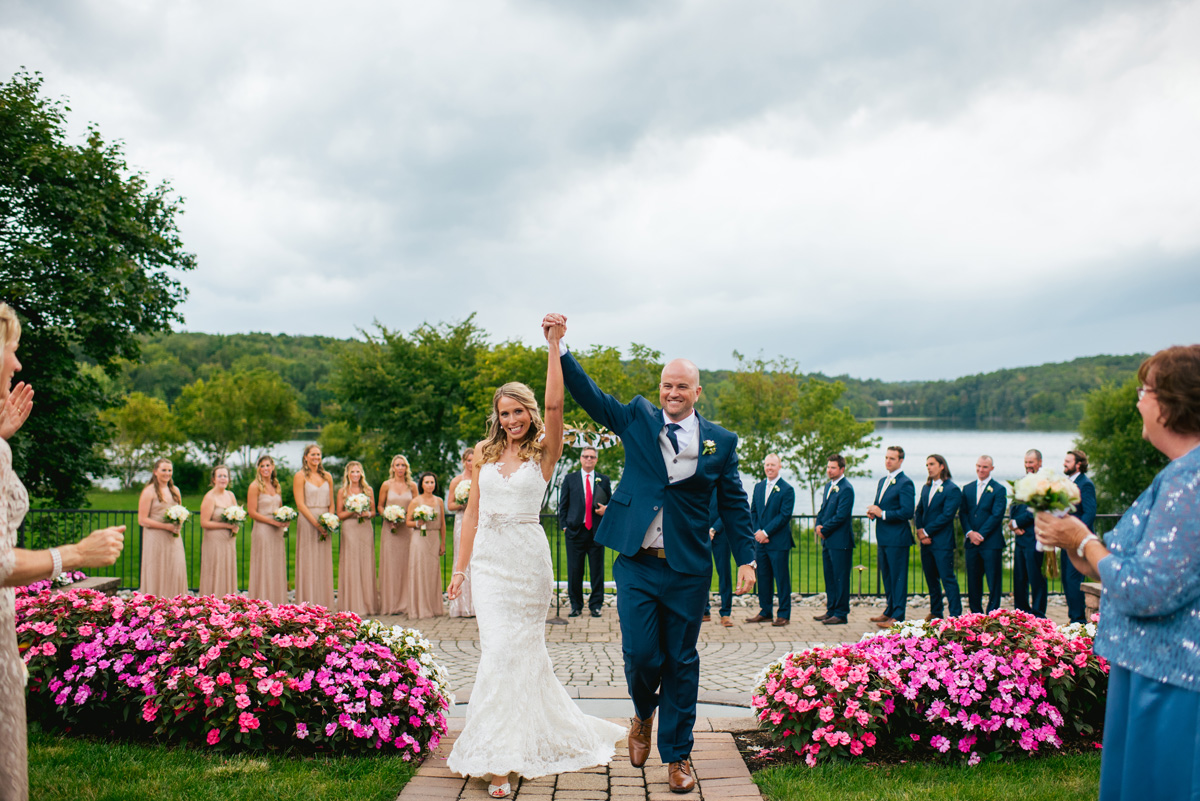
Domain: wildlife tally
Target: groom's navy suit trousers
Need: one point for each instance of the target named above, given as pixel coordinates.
(660, 600)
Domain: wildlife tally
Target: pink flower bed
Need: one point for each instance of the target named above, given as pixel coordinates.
(967, 688)
(224, 672)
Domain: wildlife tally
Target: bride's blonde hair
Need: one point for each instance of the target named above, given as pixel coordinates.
(531, 445)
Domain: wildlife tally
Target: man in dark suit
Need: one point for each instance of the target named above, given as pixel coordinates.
(1029, 585)
(983, 503)
(940, 502)
(836, 533)
(1075, 465)
(657, 520)
(771, 519)
(721, 556)
(892, 511)
(580, 507)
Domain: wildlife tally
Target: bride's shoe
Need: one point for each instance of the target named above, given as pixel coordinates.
(503, 790)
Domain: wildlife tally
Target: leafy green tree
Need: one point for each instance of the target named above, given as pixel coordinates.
(238, 411)
(1120, 462)
(144, 429)
(87, 255)
(821, 429)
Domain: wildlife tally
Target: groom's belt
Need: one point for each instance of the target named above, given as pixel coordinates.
(661, 553)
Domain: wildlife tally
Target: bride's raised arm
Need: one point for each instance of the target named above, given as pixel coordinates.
(552, 445)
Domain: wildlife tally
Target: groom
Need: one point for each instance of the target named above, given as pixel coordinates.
(658, 521)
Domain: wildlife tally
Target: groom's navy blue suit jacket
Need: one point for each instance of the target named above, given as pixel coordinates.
(645, 487)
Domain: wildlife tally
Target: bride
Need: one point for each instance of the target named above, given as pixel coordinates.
(520, 721)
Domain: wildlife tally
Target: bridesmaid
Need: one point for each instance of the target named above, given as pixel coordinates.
(357, 591)
(398, 490)
(218, 552)
(423, 589)
(164, 567)
(461, 606)
(312, 488)
(268, 543)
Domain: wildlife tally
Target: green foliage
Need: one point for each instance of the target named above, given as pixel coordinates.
(1120, 462)
(242, 410)
(87, 252)
(144, 429)
(821, 430)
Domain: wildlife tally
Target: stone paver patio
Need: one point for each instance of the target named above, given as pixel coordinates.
(587, 658)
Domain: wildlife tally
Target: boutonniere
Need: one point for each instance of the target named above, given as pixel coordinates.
(836, 488)
(775, 488)
(989, 489)
(936, 491)
(710, 447)
(891, 481)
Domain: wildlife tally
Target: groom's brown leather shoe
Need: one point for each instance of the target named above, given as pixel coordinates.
(679, 776)
(639, 739)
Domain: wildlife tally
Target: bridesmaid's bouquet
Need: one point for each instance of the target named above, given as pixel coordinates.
(360, 504)
(462, 492)
(177, 514)
(329, 524)
(394, 514)
(284, 514)
(234, 514)
(425, 514)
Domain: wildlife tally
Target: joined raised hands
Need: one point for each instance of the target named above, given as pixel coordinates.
(16, 409)
(554, 326)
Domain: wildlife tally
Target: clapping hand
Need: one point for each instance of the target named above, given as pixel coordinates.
(16, 409)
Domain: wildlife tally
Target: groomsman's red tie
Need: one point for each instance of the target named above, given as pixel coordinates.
(587, 498)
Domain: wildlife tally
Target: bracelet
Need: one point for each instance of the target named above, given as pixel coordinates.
(1083, 545)
(56, 558)
(458, 573)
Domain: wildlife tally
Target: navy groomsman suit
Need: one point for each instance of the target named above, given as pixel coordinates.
(1085, 510)
(1029, 584)
(935, 513)
(665, 498)
(896, 496)
(837, 545)
(771, 512)
(574, 519)
(721, 556)
(984, 514)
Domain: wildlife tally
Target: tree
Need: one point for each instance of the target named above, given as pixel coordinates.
(238, 411)
(820, 429)
(87, 255)
(145, 429)
(1121, 463)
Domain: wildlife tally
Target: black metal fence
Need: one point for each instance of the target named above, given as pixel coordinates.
(47, 527)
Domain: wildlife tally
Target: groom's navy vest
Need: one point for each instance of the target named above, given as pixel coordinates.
(646, 489)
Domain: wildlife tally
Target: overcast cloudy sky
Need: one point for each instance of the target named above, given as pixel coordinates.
(885, 189)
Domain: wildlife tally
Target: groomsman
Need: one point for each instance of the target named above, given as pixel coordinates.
(1027, 559)
(722, 553)
(837, 541)
(983, 502)
(1075, 465)
(940, 502)
(771, 519)
(892, 511)
(580, 507)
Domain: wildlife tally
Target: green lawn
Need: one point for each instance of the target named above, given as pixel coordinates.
(1051, 778)
(76, 769)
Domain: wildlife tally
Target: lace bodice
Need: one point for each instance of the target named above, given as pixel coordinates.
(14, 503)
(513, 498)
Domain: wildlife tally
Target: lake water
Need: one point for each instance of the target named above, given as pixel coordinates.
(960, 446)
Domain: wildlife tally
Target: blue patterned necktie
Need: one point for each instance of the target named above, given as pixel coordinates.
(671, 429)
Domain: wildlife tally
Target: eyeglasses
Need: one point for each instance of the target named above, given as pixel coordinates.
(1142, 391)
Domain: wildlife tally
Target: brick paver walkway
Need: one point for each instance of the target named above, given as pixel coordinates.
(587, 659)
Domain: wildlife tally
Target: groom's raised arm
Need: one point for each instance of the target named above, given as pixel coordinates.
(600, 406)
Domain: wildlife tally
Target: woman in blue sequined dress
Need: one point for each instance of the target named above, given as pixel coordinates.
(1149, 627)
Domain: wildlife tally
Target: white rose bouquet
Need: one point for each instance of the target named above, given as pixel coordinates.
(284, 514)
(1047, 490)
(329, 524)
(360, 504)
(462, 492)
(177, 514)
(425, 514)
(394, 514)
(234, 514)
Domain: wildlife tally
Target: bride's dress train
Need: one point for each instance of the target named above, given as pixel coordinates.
(520, 718)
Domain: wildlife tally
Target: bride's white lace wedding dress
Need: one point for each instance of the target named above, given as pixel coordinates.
(520, 718)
